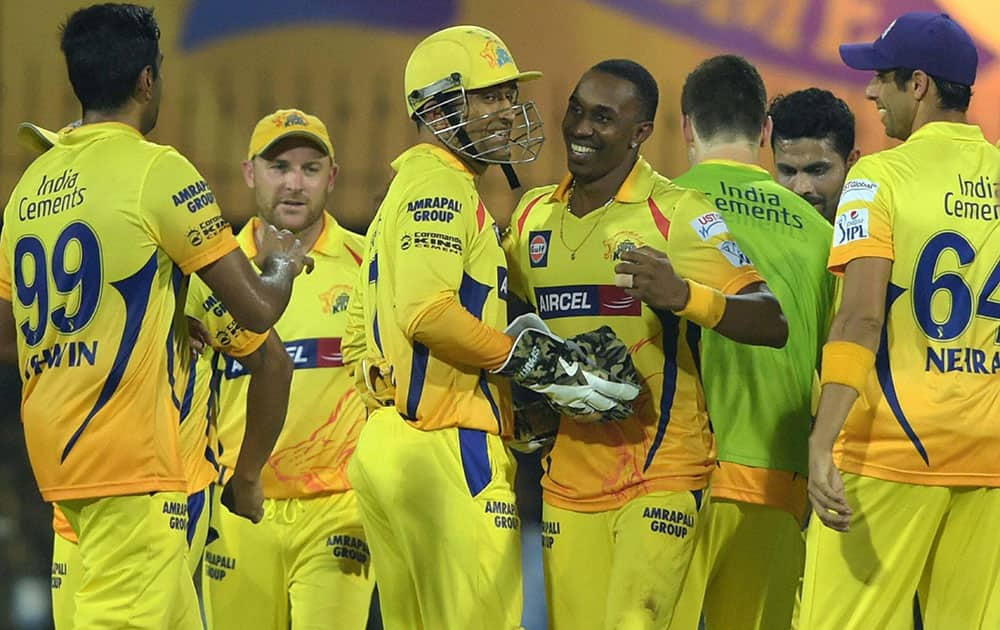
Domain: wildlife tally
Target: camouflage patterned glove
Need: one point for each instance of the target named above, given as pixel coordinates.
(535, 422)
(612, 362)
(542, 362)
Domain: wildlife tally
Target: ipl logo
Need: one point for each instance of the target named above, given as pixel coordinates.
(495, 55)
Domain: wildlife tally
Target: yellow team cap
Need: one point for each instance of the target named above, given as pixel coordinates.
(288, 122)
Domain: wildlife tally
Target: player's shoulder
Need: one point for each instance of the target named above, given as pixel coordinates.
(354, 242)
(677, 203)
(531, 208)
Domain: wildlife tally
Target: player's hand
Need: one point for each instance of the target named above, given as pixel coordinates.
(826, 489)
(199, 337)
(647, 274)
(282, 244)
(244, 498)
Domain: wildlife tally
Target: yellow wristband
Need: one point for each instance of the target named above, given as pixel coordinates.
(847, 363)
(705, 306)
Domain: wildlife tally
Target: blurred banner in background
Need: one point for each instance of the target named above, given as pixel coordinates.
(229, 62)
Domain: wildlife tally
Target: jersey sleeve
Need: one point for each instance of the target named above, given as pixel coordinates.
(353, 345)
(5, 269)
(702, 249)
(227, 336)
(435, 225)
(182, 214)
(863, 227)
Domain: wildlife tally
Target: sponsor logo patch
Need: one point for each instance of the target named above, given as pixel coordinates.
(851, 226)
(734, 254)
(573, 301)
(863, 190)
(538, 247)
(709, 224)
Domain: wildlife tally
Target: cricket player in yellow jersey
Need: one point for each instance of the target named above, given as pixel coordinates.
(749, 548)
(197, 397)
(308, 562)
(903, 466)
(433, 476)
(95, 245)
(622, 499)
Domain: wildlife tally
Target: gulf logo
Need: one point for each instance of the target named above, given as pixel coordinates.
(538, 247)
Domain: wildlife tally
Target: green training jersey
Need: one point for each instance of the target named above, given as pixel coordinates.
(759, 398)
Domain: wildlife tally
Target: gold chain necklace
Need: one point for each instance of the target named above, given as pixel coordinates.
(569, 209)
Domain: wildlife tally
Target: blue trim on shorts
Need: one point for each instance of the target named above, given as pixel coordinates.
(918, 619)
(884, 372)
(475, 459)
(670, 325)
(196, 509)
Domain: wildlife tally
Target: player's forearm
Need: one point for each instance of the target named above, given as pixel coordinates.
(755, 319)
(274, 291)
(835, 403)
(8, 333)
(455, 335)
(267, 403)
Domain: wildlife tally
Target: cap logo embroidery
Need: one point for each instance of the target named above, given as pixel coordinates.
(495, 55)
(887, 29)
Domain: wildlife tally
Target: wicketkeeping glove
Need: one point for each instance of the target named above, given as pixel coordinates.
(611, 361)
(543, 362)
(536, 423)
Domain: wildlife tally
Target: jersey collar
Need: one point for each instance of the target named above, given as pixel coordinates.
(443, 155)
(637, 187)
(956, 131)
(328, 243)
(88, 132)
(743, 166)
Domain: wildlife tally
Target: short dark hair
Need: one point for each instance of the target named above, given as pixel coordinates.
(813, 113)
(638, 76)
(951, 95)
(725, 94)
(106, 47)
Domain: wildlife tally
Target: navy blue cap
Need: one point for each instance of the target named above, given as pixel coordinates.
(932, 42)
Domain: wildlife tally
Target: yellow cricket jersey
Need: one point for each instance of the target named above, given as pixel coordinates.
(325, 414)
(432, 236)
(667, 444)
(98, 236)
(198, 391)
(928, 414)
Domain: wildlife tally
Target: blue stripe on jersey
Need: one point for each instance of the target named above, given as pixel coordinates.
(670, 325)
(373, 269)
(196, 508)
(693, 337)
(176, 280)
(376, 336)
(189, 388)
(418, 373)
(135, 290)
(171, 377)
(473, 294)
(884, 371)
(475, 459)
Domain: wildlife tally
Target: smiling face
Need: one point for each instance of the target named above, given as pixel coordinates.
(291, 182)
(812, 169)
(602, 119)
(896, 106)
(490, 117)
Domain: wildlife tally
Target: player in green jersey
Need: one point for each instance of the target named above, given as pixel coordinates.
(758, 398)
